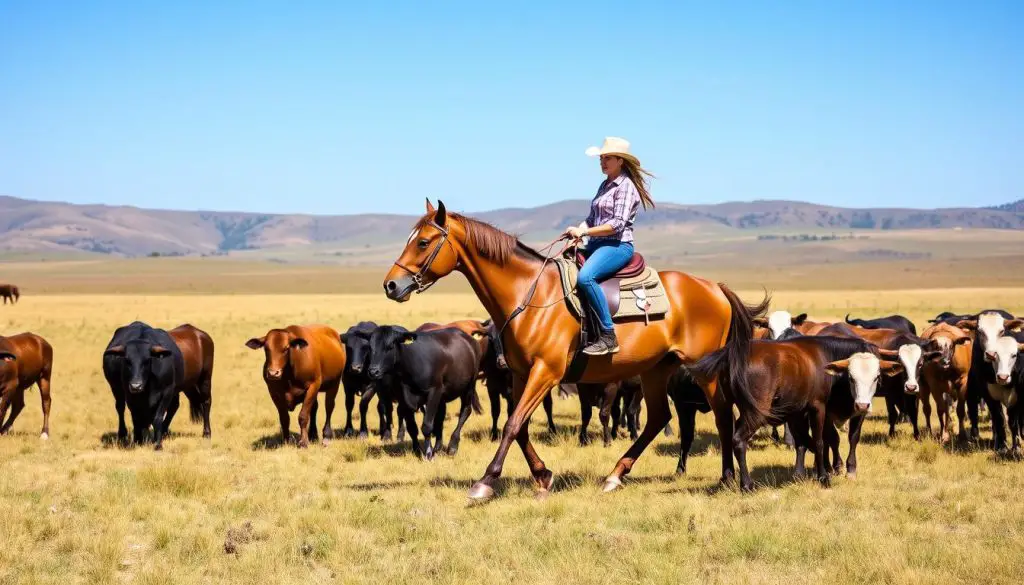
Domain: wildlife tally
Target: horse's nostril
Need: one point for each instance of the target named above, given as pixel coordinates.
(390, 285)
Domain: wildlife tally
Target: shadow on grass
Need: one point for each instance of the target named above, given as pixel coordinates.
(702, 442)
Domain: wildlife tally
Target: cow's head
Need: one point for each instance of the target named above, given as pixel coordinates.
(385, 345)
(779, 322)
(141, 358)
(278, 345)
(1006, 350)
(864, 370)
(990, 326)
(357, 346)
(912, 357)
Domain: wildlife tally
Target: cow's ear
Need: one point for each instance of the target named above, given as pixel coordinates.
(117, 350)
(837, 368)
(760, 322)
(930, 344)
(407, 338)
(890, 368)
(344, 338)
(256, 342)
(932, 356)
(799, 319)
(962, 341)
(888, 353)
(159, 351)
(1013, 325)
(7, 357)
(298, 343)
(430, 206)
(441, 217)
(968, 325)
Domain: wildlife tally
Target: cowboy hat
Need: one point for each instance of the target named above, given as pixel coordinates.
(612, 145)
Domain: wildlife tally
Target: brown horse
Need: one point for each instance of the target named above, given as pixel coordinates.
(543, 337)
(10, 293)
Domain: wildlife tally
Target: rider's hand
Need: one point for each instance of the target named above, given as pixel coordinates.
(574, 232)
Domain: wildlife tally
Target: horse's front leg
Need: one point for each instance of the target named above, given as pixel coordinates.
(527, 397)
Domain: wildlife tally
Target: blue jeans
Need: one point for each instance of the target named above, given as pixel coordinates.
(604, 259)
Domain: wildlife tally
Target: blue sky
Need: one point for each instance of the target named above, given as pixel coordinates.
(336, 108)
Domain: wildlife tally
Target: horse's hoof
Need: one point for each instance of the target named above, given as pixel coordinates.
(480, 492)
(44, 436)
(851, 474)
(545, 481)
(611, 483)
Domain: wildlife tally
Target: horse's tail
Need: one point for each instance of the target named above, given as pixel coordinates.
(730, 363)
(195, 407)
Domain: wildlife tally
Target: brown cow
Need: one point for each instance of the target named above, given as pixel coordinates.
(25, 359)
(300, 362)
(945, 381)
(10, 293)
(197, 353)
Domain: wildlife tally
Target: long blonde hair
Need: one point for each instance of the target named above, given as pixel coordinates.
(639, 175)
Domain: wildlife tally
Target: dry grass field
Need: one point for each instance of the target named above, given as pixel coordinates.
(239, 509)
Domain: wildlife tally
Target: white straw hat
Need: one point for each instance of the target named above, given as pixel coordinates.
(615, 146)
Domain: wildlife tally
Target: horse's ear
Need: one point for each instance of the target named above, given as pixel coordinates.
(430, 206)
(441, 217)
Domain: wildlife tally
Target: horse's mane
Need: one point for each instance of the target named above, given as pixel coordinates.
(491, 242)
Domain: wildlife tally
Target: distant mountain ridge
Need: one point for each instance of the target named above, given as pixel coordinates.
(27, 225)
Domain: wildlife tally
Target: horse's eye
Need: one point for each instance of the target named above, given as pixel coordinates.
(423, 244)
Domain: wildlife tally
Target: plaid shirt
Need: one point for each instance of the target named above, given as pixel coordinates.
(615, 204)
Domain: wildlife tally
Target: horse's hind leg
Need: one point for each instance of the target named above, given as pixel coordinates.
(44, 395)
(17, 404)
(527, 395)
(655, 385)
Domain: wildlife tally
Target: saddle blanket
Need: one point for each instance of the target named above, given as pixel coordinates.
(640, 296)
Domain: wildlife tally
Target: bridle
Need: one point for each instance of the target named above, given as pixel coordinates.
(417, 277)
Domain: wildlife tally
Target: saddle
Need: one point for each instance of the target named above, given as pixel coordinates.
(634, 291)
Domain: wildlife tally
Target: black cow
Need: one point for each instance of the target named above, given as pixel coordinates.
(897, 322)
(144, 368)
(357, 382)
(430, 368)
(954, 318)
(1004, 377)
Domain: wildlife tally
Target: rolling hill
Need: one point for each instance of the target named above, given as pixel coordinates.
(44, 227)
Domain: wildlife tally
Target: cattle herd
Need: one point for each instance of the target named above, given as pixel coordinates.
(813, 377)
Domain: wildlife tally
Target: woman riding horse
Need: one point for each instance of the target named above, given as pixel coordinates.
(610, 229)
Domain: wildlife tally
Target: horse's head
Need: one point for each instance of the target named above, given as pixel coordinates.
(428, 256)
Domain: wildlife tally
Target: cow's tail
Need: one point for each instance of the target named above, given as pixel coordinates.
(730, 363)
(475, 402)
(195, 407)
(847, 319)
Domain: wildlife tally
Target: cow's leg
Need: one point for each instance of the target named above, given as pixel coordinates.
(549, 410)
(972, 413)
(495, 398)
(312, 421)
(387, 421)
(402, 423)
(687, 414)
(995, 409)
(305, 412)
(961, 419)
(910, 400)
(442, 413)
(350, 403)
(655, 388)
(893, 411)
(616, 417)
(172, 409)
(926, 408)
(743, 434)
(787, 436)
(17, 404)
(285, 420)
(122, 428)
(528, 394)
(464, 412)
(832, 444)
(330, 395)
(854, 439)
(799, 428)
(435, 398)
(605, 412)
(364, 408)
(817, 437)
(163, 408)
(206, 395)
(409, 416)
(585, 413)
